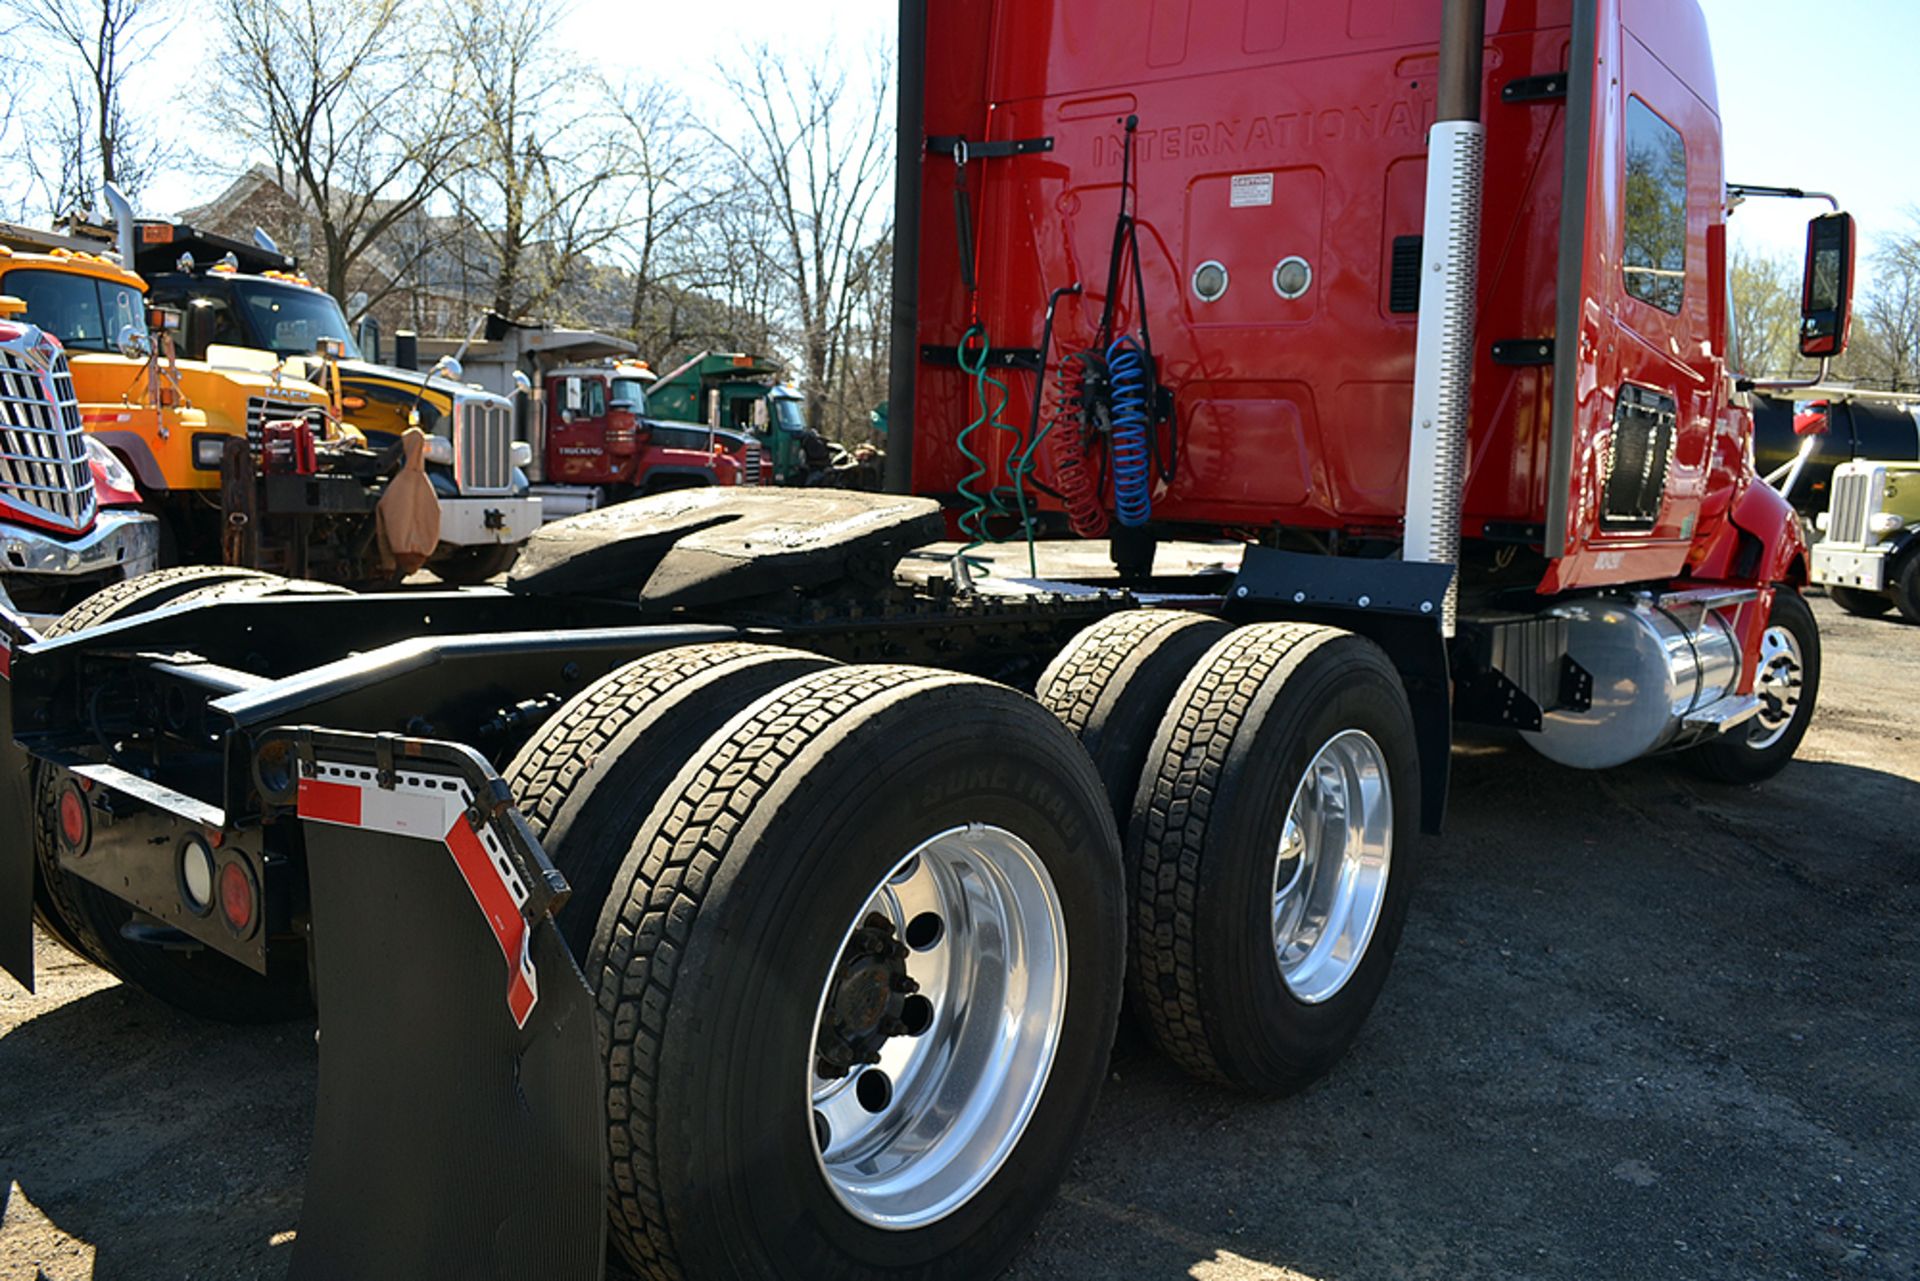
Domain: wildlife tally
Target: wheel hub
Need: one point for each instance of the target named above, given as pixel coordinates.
(1330, 874)
(921, 1083)
(1779, 685)
(867, 1001)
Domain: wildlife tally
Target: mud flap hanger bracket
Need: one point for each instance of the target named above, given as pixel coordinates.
(492, 801)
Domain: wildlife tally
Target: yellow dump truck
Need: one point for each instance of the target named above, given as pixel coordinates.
(167, 420)
(246, 457)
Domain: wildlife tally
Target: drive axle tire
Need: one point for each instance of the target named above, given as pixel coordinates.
(1114, 682)
(1861, 604)
(841, 943)
(87, 919)
(591, 776)
(1788, 682)
(1272, 840)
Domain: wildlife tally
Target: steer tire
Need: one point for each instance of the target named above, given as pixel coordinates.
(85, 918)
(1861, 604)
(733, 909)
(1744, 754)
(1205, 842)
(470, 566)
(1113, 683)
(1906, 585)
(593, 773)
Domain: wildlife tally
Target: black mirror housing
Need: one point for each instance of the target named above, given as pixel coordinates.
(1826, 296)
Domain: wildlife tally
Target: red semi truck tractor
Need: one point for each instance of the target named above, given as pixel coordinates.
(602, 447)
(736, 890)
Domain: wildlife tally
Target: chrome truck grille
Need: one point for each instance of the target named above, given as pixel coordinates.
(262, 410)
(43, 452)
(1856, 497)
(483, 447)
(753, 471)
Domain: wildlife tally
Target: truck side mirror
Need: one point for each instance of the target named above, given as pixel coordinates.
(1826, 298)
(133, 344)
(197, 335)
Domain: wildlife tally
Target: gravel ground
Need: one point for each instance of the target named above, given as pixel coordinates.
(1640, 1026)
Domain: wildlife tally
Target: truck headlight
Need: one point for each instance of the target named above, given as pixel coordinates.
(1886, 523)
(209, 452)
(521, 453)
(440, 450)
(111, 468)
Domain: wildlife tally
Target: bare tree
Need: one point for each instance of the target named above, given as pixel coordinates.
(356, 109)
(1887, 327)
(673, 198)
(817, 157)
(97, 43)
(1766, 311)
(549, 161)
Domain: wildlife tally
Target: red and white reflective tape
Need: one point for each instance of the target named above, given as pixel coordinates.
(434, 807)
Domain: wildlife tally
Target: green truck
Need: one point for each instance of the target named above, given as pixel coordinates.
(1868, 557)
(744, 393)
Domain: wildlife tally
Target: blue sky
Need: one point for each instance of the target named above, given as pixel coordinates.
(1821, 96)
(1812, 95)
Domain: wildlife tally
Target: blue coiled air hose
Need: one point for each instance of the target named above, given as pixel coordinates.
(1131, 450)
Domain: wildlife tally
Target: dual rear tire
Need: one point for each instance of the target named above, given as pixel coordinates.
(859, 936)
(857, 962)
(1270, 810)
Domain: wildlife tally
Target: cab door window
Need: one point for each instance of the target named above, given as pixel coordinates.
(1655, 257)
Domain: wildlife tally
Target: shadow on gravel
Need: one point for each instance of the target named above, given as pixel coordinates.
(1641, 1025)
(172, 1148)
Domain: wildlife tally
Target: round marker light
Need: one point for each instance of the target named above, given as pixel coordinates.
(73, 820)
(236, 898)
(1210, 281)
(196, 876)
(1292, 277)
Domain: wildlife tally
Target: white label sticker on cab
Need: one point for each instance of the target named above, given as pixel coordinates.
(1251, 189)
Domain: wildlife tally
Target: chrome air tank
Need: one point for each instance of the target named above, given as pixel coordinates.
(1654, 664)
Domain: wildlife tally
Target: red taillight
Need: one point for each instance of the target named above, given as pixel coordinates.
(236, 897)
(73, 819)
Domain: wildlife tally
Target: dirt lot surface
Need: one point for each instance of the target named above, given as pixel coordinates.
(1640, 1026)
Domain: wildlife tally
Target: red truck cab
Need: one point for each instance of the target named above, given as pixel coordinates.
(598, 435)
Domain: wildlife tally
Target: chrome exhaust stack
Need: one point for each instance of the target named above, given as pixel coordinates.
(1449, 283)
(122, 223)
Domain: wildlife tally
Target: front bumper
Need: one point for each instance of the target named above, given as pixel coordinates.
(1862, 568)
(128, 540)
(477, 522)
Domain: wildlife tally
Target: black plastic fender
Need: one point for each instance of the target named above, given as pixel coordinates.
(460, 1126)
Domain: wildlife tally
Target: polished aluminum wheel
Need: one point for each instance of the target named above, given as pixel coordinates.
(1781, 683)
(1331, 875)
(937, 1026)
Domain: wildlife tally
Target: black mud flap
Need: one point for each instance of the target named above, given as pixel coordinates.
(16, 816)
(460, 1128)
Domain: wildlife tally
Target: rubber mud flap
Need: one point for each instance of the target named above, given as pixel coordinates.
(16, 845)
(448, 1142)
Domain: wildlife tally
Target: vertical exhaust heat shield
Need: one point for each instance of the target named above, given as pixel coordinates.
(1449, 281)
